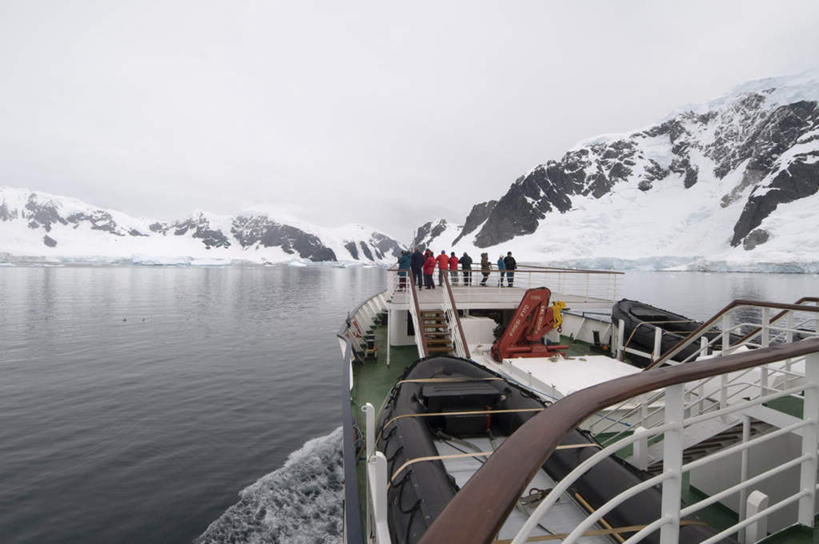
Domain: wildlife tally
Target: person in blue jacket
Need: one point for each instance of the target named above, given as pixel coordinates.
(404, 264)
(502, 270)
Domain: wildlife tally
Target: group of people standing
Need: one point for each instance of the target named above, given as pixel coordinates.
(423, 267)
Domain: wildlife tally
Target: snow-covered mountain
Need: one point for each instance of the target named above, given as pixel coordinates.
(42, 226)
(729, 184)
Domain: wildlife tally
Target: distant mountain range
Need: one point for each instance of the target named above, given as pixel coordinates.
(35, 226)
(731, 184)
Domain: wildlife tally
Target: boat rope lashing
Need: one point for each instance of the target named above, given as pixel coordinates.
(473, 454)
(602, 520)
(465, 413)
(534, 496)
(595, 532)
(438, 458)
(447, 380)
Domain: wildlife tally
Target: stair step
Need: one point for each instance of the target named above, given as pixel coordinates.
(438, 341)
(717, 442)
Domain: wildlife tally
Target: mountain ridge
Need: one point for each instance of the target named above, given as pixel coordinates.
(746, 165)
(41, 225)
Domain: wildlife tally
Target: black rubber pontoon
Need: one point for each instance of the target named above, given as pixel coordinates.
(675, 328)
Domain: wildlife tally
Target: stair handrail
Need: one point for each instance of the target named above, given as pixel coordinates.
(449, 298)
(478, 510)
(415, 315)
(688, 340)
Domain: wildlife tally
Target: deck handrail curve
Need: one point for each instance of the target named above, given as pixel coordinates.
(478, 511)
(685, 342)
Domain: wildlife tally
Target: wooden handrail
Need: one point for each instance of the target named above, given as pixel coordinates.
(457, 317)
(739, 302)
(478, 511)
(420, 328)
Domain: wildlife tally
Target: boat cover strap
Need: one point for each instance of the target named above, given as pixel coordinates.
(475, 454)
(596, 532)
(462, 413)
(448, 380)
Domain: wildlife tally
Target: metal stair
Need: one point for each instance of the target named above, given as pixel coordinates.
(435, 329)
(703, 441)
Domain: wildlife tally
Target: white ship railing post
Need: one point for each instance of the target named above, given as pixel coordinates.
(641, 450)
(723, 380)
(621, 332)
(766, 342)
(672, 465)
(743, 473)
(807, 478)
(757, 501)
(389, 334)
(377, 465)
(658, 344)
(369, 429)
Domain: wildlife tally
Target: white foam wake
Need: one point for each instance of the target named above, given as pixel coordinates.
(300, 502)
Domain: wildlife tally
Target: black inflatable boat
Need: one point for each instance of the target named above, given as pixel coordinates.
(417, 411)
(675, 328)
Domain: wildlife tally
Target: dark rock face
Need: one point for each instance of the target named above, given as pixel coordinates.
(6, 214)
(799, 180)
(261, 231)
(755, 238)
(43, 214)
(366, 250)
(201, 229)
(99, 220)
(427, 233)
(384, 245)
(49, 241)
(352, 248)
(478, 214)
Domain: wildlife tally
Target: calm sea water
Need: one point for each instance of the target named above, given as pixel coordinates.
(136, 403)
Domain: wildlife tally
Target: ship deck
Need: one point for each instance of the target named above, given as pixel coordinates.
(373, 380)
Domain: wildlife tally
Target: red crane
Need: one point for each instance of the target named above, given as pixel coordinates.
(532, 320)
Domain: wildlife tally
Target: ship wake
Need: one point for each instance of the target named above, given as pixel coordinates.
(299, 502)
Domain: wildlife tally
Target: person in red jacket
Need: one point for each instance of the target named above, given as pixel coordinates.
(453, 268)
(443, 266)
(429, 268)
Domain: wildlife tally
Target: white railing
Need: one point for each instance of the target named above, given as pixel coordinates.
(670, 433)
(715, 393)
(590, 286)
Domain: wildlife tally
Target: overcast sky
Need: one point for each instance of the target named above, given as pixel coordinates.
(386, 113)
